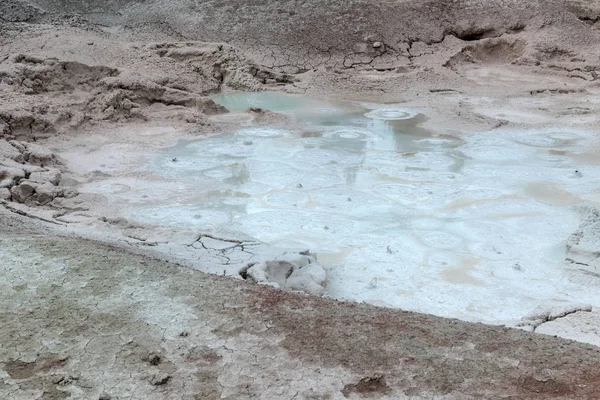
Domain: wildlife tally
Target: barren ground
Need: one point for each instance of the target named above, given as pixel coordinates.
(97, 307)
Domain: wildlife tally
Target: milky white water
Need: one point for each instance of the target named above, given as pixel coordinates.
(473, 228)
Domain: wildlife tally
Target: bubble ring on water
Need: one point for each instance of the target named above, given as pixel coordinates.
(538, 140)
(351, 133)
(547, 139)
(391, 114)
(565, 136)
(441, 240)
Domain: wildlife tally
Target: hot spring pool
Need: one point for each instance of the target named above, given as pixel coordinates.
(472, 227)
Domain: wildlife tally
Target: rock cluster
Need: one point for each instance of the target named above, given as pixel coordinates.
(292, 271)
(30, 174)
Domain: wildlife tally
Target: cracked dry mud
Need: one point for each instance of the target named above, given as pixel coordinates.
(88, 320)
(96, 306)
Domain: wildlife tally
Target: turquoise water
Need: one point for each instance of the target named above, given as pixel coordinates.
(274, 101)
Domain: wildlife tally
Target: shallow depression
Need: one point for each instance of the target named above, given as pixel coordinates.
(400, 217)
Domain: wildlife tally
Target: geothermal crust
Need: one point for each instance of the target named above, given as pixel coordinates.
(99, 306)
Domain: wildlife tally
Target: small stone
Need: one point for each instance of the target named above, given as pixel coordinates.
(389, 250)
(517, 267)
(174, 159)
(248, 142)
(105, 396)
(160, 379)
(65, 380)
(154, 359)
(299, 186)
(377, 45)
(326, 228)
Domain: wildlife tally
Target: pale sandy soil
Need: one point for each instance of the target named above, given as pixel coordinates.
(88, 96)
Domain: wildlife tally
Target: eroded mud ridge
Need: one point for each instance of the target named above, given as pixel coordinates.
(439, 156)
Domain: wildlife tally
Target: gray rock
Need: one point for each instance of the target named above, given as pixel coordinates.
(23, 191)
(160, 379)
(69, 193)
(18, 145)
(46, 193)
(68, 181)
(9, 151)
(292, 271)
(25, 167)
(38, 155)
(10, 175)
(52, 175)
(4, 194)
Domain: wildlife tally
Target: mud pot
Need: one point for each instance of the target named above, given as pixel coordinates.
(471, 226)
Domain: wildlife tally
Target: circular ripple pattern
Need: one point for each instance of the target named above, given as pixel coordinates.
(352, 133)
(441, 240)
(391, 113)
